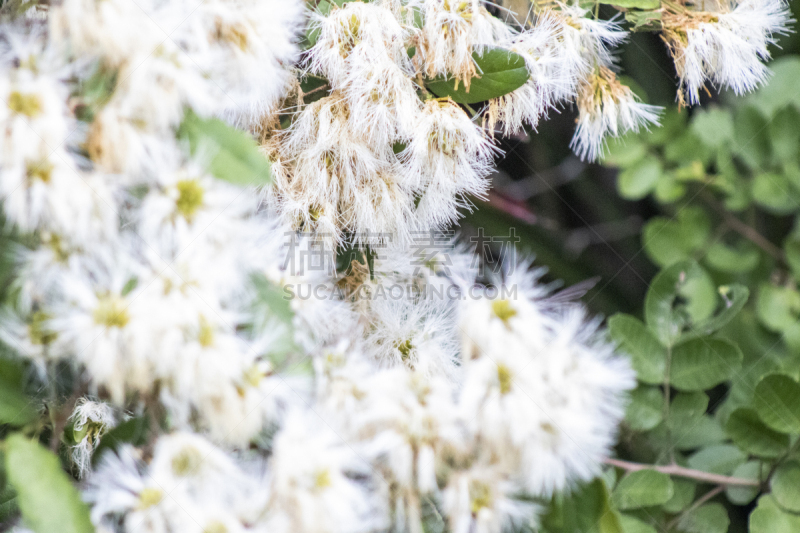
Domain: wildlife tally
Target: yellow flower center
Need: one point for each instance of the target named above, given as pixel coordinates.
(190, 198)
(24, 104)
(111, 312)
(503, 310)
(150, 497)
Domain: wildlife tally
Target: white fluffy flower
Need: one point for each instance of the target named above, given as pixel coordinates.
(607, 108)
(190, 485)
(726, 48)
(312, 480)
(448, 158)
(546, 389)
(481, 500)
(416, 334)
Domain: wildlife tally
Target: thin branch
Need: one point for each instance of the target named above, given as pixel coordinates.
(700, 501)
(676, 470)
(318, 89)
(746, 231)
(754, 236)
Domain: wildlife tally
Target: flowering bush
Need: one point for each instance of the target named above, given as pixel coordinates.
(237, 303)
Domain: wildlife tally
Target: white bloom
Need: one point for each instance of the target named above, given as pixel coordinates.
(404, 331)
(448, 158)
(50, 194)
(189, 486)
(550, 79)
(546, 390)
(607, 108)
(311, 487)
(117, 30)
(725, 48)
(356, 33)
(244, 48)
(452, 31)
(481, 500)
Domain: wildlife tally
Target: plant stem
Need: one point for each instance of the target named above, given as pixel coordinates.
(748, 232)
(700, 501)
(680, 471)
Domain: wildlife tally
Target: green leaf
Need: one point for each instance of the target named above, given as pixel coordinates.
(773, 192)
(669, 240)
(687, 407)
(48, 500)
(785, 135)
(751, 435)
(777, 307)
(644, 488)
(664, 314)
(644, 20)
(637, 181)
(275, 298)
(785, 484)
(700, 364)
(234, 155)
(624, 151)
(708, 518)
(733, 299)
(713, 126)
(777, 402)
(718, 459)
(16, 408)
(742, 494)
(634, 525)
(781, 90)
(9, 507)
(648, 356)
(741, 259)
(751, 138)
(589, 510)
(703, 432)
(768, 517)
(646, 409)
(683, 495)
(501, 72)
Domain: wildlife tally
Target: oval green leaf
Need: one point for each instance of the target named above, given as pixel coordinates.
(777, 402)
(768, 517)
(644, 488)
(708, 518)
(699, 364)
(648, 356)
(784, 486)
(742, 494)
(48, 500)
(500, 72)
(750, 434)
(646, 409)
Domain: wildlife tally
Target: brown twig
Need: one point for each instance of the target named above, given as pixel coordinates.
(748, 232)
(318, 89)
(700, 501)
(680, 471)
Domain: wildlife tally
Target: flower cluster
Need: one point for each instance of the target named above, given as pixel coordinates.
(724, 44)
(156, 280)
